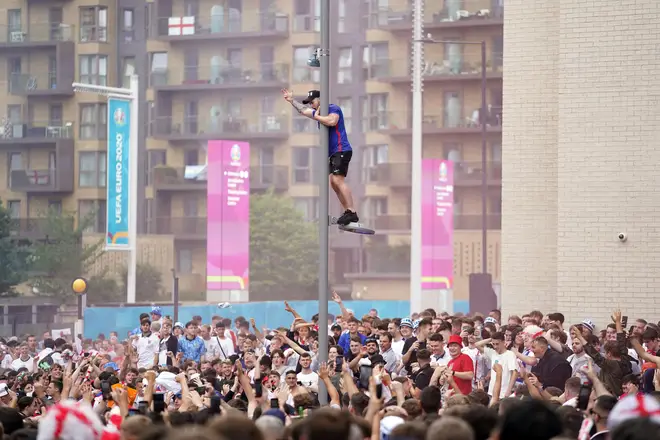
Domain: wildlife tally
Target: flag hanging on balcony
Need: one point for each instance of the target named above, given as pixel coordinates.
(181, 26)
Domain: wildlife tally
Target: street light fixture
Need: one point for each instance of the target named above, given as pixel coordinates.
(418, 110)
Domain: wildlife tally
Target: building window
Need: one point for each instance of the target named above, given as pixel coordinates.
(92, 169)
(92, 213)
(347, 109)
(378, 14)
(302, 73)
(307, 16)
(93, 69)
(302, 165)
(372, 157)
(14, 163)
(308, 207)
(302, 124)
(341, 19)
(373, 207)
(94, 24)
(374, 112)
(127, 25)
(344, 75)
(158, 70)
(14, 24)
(55, 206)
(453, 109)
(93, 121)
(184, 259)
(14, 207)
(128, 70)
(375, 61)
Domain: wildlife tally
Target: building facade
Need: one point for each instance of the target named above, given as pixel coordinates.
(213, 69)
(577, 173)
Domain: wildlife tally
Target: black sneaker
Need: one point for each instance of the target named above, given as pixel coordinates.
(348, 217)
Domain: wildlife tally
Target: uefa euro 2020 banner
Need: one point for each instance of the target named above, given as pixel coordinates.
(119, 122)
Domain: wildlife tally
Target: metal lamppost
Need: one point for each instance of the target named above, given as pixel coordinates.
(418, 110)
(322, 59)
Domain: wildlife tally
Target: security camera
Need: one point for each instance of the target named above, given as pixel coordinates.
(622, 236)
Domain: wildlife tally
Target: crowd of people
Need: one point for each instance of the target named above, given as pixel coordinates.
(429, 376)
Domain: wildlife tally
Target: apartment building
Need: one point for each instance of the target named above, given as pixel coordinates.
(213, 69)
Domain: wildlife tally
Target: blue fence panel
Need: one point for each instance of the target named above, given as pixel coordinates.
(269, 314)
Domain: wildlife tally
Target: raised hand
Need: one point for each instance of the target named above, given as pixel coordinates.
(335, 297)
(287, 94)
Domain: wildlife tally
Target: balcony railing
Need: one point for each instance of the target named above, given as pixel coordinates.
(469, 173)
(450, 121)
(183, 227)
(33, 180)
(38, 83)
(266, 177)
(436, 69)
(210, 26)
(221, 75)
(306, 23)
(472, 221)
(36, 130)
(41, 32)
(93, 33)
(449, 14)
(401, 222)
(36, 228)
(389, 222)
(394, 174)
(188, 127)
(166, 177)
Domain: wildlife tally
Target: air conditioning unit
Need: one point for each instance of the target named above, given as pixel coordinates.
(17, 37)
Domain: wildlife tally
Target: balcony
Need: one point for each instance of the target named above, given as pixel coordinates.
(42, 84)
(265, 177)
(389, 223)
(35, 133)
(190, 128)
(34, 228)
(469, 173)
(449, 15)
(471, 222)
(213, 27)
(41, 181)
(438, 70)
(221, 77)
(167, 178)
(400, 123)
(183, 228)
(389, 174)
(36, 35)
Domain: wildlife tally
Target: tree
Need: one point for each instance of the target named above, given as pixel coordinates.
(13, 262)
(104, 289)
(148, 283)
(283, 250)
(62, 255)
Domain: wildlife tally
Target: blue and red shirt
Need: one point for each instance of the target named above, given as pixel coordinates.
(338, 137)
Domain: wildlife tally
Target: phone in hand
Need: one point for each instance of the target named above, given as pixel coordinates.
(338, 364)
(159, 402)
(274, 403)
(106, 390)
(583, 396)
(624, 321)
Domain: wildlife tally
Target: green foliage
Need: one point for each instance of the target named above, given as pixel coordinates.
(148, 283)
(13, 262)
(62, 256)
(283, 250)
(104, 289)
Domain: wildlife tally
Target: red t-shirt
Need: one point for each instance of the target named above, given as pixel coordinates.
(461, 364)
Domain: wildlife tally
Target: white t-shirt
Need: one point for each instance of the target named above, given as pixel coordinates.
(227, 347)
(146, 347)
(17, 364)
(310, 380)
(397, 346)
(508, 362)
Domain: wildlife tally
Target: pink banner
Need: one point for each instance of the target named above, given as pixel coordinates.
(437, 224)
(228, 223)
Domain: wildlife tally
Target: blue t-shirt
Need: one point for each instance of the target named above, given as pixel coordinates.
(338, 137)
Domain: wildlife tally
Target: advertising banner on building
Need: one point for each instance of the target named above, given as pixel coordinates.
(228, 208)
(117, 190)
(437, 224)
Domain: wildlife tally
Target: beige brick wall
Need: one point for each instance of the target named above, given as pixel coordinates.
(581, 158)
(529, 155)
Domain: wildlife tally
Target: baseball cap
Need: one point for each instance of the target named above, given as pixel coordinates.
(455, 339)
(311, 95)
(156, 311)
(406, 322)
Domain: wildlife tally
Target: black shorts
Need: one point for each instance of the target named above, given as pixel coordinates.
(338, 163)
